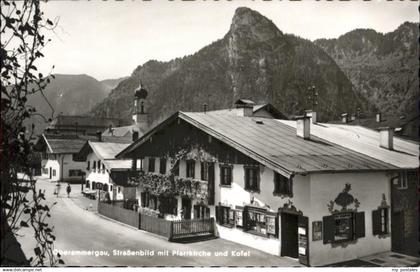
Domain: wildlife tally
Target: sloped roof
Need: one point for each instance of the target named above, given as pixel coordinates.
(83, 121)
(366, 141)
(275, 144)
(239, 111)
(120, 131)
(106, 150)
(65, 144)
(117, 164)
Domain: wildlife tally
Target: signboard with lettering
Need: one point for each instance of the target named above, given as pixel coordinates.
(303, 246)
(238, 218)
(271, 224)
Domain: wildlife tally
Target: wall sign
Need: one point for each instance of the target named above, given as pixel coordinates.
(271, 224)
(238, 218)
(316, 230)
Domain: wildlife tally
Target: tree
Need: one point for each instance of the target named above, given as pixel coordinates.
(22, 205)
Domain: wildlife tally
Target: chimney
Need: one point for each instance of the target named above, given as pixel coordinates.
(303, 127)
(99, 135)
(378, 117)
(135, 135)
(247, 106)
(345, 118)
(311, 114)
(386, 137)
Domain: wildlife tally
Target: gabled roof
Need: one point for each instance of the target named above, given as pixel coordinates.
(366, 141)
(274, 144)
(106, 152)
(64, 144)
(83, 121)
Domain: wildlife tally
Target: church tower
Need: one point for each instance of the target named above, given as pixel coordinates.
(140, 116)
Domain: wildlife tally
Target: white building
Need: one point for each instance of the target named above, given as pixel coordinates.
(101, 167)
(272, 185)
(58, 156)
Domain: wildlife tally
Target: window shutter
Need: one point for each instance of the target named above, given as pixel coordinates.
(359, 225)
(376, 222)
(202, 171)
(329, 228)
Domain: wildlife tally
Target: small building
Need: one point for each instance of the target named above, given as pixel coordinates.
(271, 185)
(58, 156)
(83, 125)
(101, 166)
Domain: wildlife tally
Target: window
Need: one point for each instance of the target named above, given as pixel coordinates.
(282, 185)
(226, 175)
(168, 205)
(119, 189)
(380, 221)
(148, 200)
(223, 216)
(94, 165)
(255, 221)
(99, 165)
(162, 166)
(342, 227)
(201, 211)
(151, 164)
(190, 169)
(54, 173)
(87, 184)
(110, 188)
(88, 165)
(402, 181)
(252, 178)
(204, 171)
(75, 173)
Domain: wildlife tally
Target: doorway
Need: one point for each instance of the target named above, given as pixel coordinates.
(50, 172)
(397, 231)
(186, 207)
(289, 235)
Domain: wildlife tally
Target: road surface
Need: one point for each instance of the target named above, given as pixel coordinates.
(82, 231)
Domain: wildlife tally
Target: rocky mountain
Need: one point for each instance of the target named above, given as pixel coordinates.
(382, 67)
(254, 60)
(67, 94)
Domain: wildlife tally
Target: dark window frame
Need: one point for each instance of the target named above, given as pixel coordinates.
(162, 166)
(152, 163)
(228, 175)
(190, 169)
(252, 172)
(356, 229)
(283, 186)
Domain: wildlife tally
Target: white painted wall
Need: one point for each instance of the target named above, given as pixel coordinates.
(102, 177)
(368, 189)
(62, 162)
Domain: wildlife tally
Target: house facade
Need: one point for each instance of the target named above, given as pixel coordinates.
(58, 161)
(268, 185)
(100, 164)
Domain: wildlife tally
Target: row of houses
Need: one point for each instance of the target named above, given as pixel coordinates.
(318, 192)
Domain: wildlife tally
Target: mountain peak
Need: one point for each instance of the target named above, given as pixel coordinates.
(250, 23)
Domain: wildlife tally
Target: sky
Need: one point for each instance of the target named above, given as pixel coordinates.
(109, 39)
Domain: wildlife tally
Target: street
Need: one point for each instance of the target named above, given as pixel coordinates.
(80, 229)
